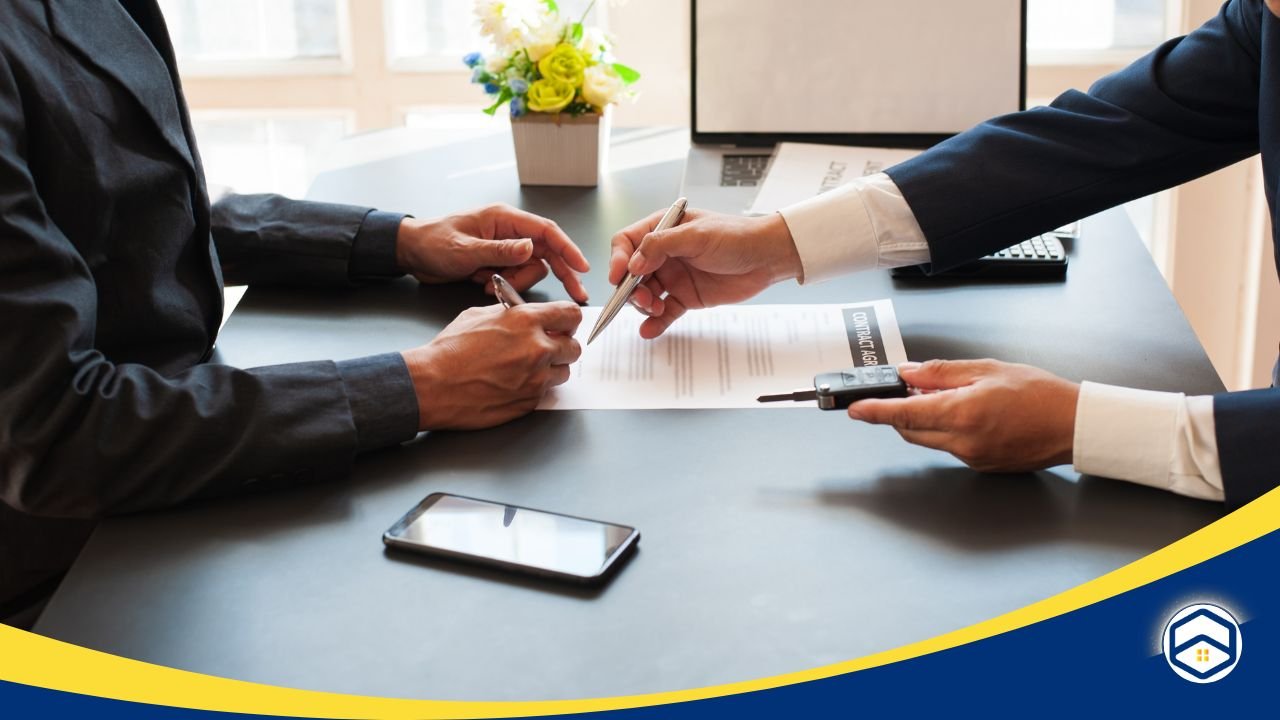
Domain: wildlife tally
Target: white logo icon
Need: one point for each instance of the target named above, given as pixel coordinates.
(1202, 643)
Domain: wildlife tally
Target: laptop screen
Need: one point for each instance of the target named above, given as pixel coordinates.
(844, 70)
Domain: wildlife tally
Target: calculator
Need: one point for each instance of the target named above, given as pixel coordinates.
(1039, 257)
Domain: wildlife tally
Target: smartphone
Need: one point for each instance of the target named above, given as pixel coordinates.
(513, 538)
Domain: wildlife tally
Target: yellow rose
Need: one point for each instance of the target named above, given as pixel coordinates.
(550, 95)
(564, 63)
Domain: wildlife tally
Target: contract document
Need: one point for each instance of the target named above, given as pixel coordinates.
(800, 171)
(724, 357)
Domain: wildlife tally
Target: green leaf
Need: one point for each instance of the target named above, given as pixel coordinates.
(503, 97)
(627, 74)
(551, 6)
(575, 31)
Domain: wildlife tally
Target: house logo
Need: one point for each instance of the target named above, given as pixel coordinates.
(1202, 643)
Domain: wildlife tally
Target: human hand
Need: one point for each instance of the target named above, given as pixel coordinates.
(492, 365)
(993, 416)
(478, 243)
(708, 259)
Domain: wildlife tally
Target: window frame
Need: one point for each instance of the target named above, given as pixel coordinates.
(1115, 57)
(430, 63)
(281, 67)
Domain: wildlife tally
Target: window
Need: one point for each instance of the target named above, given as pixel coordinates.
(1089, 30)
(261, 149)
(430, 33)
(232, 36)
(1072, 43)
(263, 152)
(435, 34)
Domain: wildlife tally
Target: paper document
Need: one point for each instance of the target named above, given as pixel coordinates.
(802, 170)
(231, 297)
(724, 357)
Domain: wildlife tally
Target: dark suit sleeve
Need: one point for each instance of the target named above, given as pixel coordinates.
(81, 435)
(1184, 110)
(271, 239)
(1245, 427)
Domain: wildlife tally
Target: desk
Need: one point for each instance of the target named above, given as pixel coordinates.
(760, 554)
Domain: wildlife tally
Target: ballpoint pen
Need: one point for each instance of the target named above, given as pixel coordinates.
(628, 285)
(506, 294)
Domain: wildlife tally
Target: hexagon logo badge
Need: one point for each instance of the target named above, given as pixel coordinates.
(1202, 643)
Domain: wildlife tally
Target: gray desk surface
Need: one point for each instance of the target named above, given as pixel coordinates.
(773, 541)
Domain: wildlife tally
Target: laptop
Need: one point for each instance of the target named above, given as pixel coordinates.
(903, 74)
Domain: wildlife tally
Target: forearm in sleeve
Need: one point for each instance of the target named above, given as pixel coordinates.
(83, 436)
(862, 225)
(270, 239)
(1160, 439)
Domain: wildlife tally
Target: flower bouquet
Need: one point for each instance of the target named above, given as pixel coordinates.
(557, 78)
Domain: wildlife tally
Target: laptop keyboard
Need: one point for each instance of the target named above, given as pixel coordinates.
(742, 170)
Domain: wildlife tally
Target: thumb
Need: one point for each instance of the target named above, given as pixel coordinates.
(942, 374)
(499, 253)
(656, 247)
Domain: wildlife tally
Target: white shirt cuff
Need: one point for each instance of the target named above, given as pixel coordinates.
(1163, 440)
(861, 225)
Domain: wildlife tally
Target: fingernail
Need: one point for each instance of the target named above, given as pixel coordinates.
(854, 412)
(636, 262)
(909, 365)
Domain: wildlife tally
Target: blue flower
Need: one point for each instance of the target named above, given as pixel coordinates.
(518, 86)
(517, 107)
(472, 59)
(491, 88)
(478, 75)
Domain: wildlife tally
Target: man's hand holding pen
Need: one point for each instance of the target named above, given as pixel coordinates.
(493, 363)
(707, 260)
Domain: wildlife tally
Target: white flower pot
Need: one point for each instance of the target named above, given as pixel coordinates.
(560, 149)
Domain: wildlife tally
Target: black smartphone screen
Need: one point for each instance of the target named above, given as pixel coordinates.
(512, 537)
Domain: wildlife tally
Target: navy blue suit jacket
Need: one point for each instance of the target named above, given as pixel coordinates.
(111, 270)
(1193, 105)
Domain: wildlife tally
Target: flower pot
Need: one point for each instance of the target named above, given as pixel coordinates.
(559, 149)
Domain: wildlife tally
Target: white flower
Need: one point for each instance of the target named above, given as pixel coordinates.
(496, 64)
(601, 86)
(542, 36)
(593, 38)
(492, 15)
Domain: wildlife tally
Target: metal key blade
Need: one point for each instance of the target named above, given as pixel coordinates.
(795, 395)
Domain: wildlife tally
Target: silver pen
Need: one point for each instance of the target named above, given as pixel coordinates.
(628, 285)
(506, 294)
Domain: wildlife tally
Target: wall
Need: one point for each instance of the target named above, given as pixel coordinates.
(653, 37)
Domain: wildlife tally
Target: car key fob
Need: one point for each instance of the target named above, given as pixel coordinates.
(838, 390)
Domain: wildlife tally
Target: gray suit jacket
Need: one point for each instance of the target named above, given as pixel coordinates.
(111, 274)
